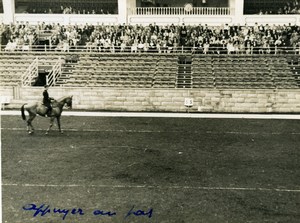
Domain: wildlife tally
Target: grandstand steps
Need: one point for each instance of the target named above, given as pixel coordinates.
(66, 72)
(295, 68)
(184, 74)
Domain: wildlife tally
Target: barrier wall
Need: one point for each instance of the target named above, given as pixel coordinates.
(179, 19)
(158, 19)
(68, 18)
(215, 20)
(171, 100)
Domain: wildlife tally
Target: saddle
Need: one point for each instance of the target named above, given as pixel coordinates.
(51, 103)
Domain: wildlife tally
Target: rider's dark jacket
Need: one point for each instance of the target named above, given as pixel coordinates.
(46, 99)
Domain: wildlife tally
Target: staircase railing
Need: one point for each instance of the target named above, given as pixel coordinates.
(54, 73)
(31, 73)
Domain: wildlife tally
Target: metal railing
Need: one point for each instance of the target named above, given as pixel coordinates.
(175, 49)
(31, 73)
(180, 11)
(54, 74)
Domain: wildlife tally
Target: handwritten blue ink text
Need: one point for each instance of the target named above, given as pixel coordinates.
(43, 210)
(139, 212)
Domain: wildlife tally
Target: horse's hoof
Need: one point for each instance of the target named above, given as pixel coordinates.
(61, 132)
(46, 133)
(30, 133)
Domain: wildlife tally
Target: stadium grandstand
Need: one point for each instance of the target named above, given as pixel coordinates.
(167, 111)
(182, 49)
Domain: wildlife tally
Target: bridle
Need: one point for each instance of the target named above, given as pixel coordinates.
(69, 103)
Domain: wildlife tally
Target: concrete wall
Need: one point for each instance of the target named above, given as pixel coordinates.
(172, 100)
(214, 20)
(66, 19)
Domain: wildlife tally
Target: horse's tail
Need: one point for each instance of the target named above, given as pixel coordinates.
(23, 112)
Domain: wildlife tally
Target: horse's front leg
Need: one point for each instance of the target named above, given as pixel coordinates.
(58, 124)
(51, 124)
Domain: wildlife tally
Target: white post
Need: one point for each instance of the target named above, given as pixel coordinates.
(8, 11)
(122, 11)
(237, 11)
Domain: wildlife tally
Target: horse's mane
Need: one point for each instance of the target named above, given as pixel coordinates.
(62, 98)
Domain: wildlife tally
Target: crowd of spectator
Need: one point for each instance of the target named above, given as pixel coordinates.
(18, 37)
(69, 9)
(202, 39)
(289, 7)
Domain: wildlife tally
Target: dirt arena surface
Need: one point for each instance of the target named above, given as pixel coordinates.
(129, 169)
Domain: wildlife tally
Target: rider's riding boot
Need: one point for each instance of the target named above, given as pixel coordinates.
(48, 113)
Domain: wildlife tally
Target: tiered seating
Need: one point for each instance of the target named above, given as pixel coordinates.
(294, 64)
(114, 70)
(12, 68)
(202, 72)
(241, 72)
(282, 73)
(158, 70)
(166, 72)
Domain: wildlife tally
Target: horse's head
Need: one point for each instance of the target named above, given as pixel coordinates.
(68, 101)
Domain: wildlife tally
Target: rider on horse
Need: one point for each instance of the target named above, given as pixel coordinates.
(47, 101)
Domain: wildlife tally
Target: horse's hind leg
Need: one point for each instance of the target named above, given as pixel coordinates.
(30, 128)
(51, 124)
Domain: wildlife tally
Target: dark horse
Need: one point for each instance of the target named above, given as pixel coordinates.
(38, 108)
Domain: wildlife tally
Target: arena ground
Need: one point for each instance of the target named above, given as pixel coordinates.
(173, 168)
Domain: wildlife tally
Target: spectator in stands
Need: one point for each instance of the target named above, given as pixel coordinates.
(122, 46)
(134, 46)
(71, 46)
(107, 44)
(183, 34)
(152, 46)
(10, 46)
(290, 7)
(230, 48)
(140, 46)
(297, 47)
(167, 39)
(278, 44)
(59, 46)
(146, 46)
(158, 46)
(206, 47)
(163, 45)
(248, 45)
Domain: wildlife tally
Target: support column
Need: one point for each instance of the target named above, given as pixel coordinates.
(122, 11)
(8, 11)
(124, 7)
(237, 11)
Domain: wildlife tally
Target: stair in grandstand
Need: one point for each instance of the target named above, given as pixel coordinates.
(67, 69)
(294, 63)
(184, 75)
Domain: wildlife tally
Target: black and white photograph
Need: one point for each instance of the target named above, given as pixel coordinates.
(150, 111)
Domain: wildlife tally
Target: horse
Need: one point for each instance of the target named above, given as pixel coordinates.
(38, 108)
